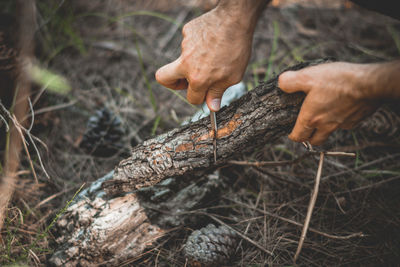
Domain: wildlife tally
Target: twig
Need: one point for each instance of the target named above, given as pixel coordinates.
(3, 109)
(249, 224)
(368, 164)
(368, 145)
(35, 257)
(18, 127)
(44, 201)
(290, 162)
(266, 173)
(339, 154)
(370, 185)
(55, 107)
(270, 163)
(299, 224)
(310, 206)
(32, 114)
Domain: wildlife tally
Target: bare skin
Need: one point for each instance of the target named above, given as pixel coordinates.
(216, 48)
(339, 95)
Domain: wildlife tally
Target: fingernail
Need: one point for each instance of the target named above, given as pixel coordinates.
(215, 104)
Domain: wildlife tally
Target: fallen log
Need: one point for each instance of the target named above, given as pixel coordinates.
(259, 117)
(118, 216)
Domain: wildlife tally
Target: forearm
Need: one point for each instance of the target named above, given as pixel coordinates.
(242, 14)
(383, 80)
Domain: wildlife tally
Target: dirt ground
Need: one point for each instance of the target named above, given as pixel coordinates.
(110, 61)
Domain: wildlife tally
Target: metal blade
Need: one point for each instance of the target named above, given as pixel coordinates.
(214, 127)
(213, 121)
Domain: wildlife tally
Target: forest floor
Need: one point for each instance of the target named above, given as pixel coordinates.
(109, 51)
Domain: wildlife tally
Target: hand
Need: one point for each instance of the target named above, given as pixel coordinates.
(337, 97)
(215, 51)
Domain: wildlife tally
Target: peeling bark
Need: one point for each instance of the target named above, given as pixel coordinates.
(100, 229)
(118, 216)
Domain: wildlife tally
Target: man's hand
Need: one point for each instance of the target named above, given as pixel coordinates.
(215, 51)
(339, 95)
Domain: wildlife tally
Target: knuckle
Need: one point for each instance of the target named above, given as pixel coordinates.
(185, 59)
(307, 122)
(216, 92)
(185, 29)
(296, 138)
(183, 44)
(157, 76)
(196, 82)
(316, 121)
(282, 81)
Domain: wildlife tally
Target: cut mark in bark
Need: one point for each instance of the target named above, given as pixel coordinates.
(261, 116)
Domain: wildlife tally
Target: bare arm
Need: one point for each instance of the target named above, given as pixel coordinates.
(216, 48)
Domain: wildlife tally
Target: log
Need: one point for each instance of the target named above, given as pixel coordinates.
(259, 117)
(123, 213)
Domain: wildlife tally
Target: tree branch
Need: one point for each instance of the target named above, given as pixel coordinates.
(259, 117)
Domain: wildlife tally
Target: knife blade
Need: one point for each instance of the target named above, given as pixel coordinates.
(214, 127)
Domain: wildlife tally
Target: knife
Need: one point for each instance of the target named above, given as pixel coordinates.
(214, 127)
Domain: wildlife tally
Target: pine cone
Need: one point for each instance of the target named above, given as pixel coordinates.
(211, 246)
(384, 123)
(103, 134)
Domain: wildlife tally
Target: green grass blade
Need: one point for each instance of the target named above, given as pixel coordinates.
(155, 125)
(273, 50)
(395, 36)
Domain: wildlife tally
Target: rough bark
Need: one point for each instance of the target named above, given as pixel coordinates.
(99, 229)
(109, 229)
(259, 117)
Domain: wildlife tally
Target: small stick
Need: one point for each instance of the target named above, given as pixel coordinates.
(290, 162)
(310, 206)
(370, 185)
(215, 146)
(18, 127)
(343, 237)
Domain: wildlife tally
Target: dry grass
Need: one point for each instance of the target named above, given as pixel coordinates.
(267, 204)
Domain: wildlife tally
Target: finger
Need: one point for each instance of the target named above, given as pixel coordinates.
(320, 136)
(213, 98)
(195, 97)
(172, 76)
(302, 130)
(294, 81)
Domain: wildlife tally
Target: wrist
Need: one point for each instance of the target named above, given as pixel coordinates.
(381, 81)
(242, 15)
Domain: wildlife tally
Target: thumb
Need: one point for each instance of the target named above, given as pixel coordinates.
(213, 98)
(171, 76)
(293, 81)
